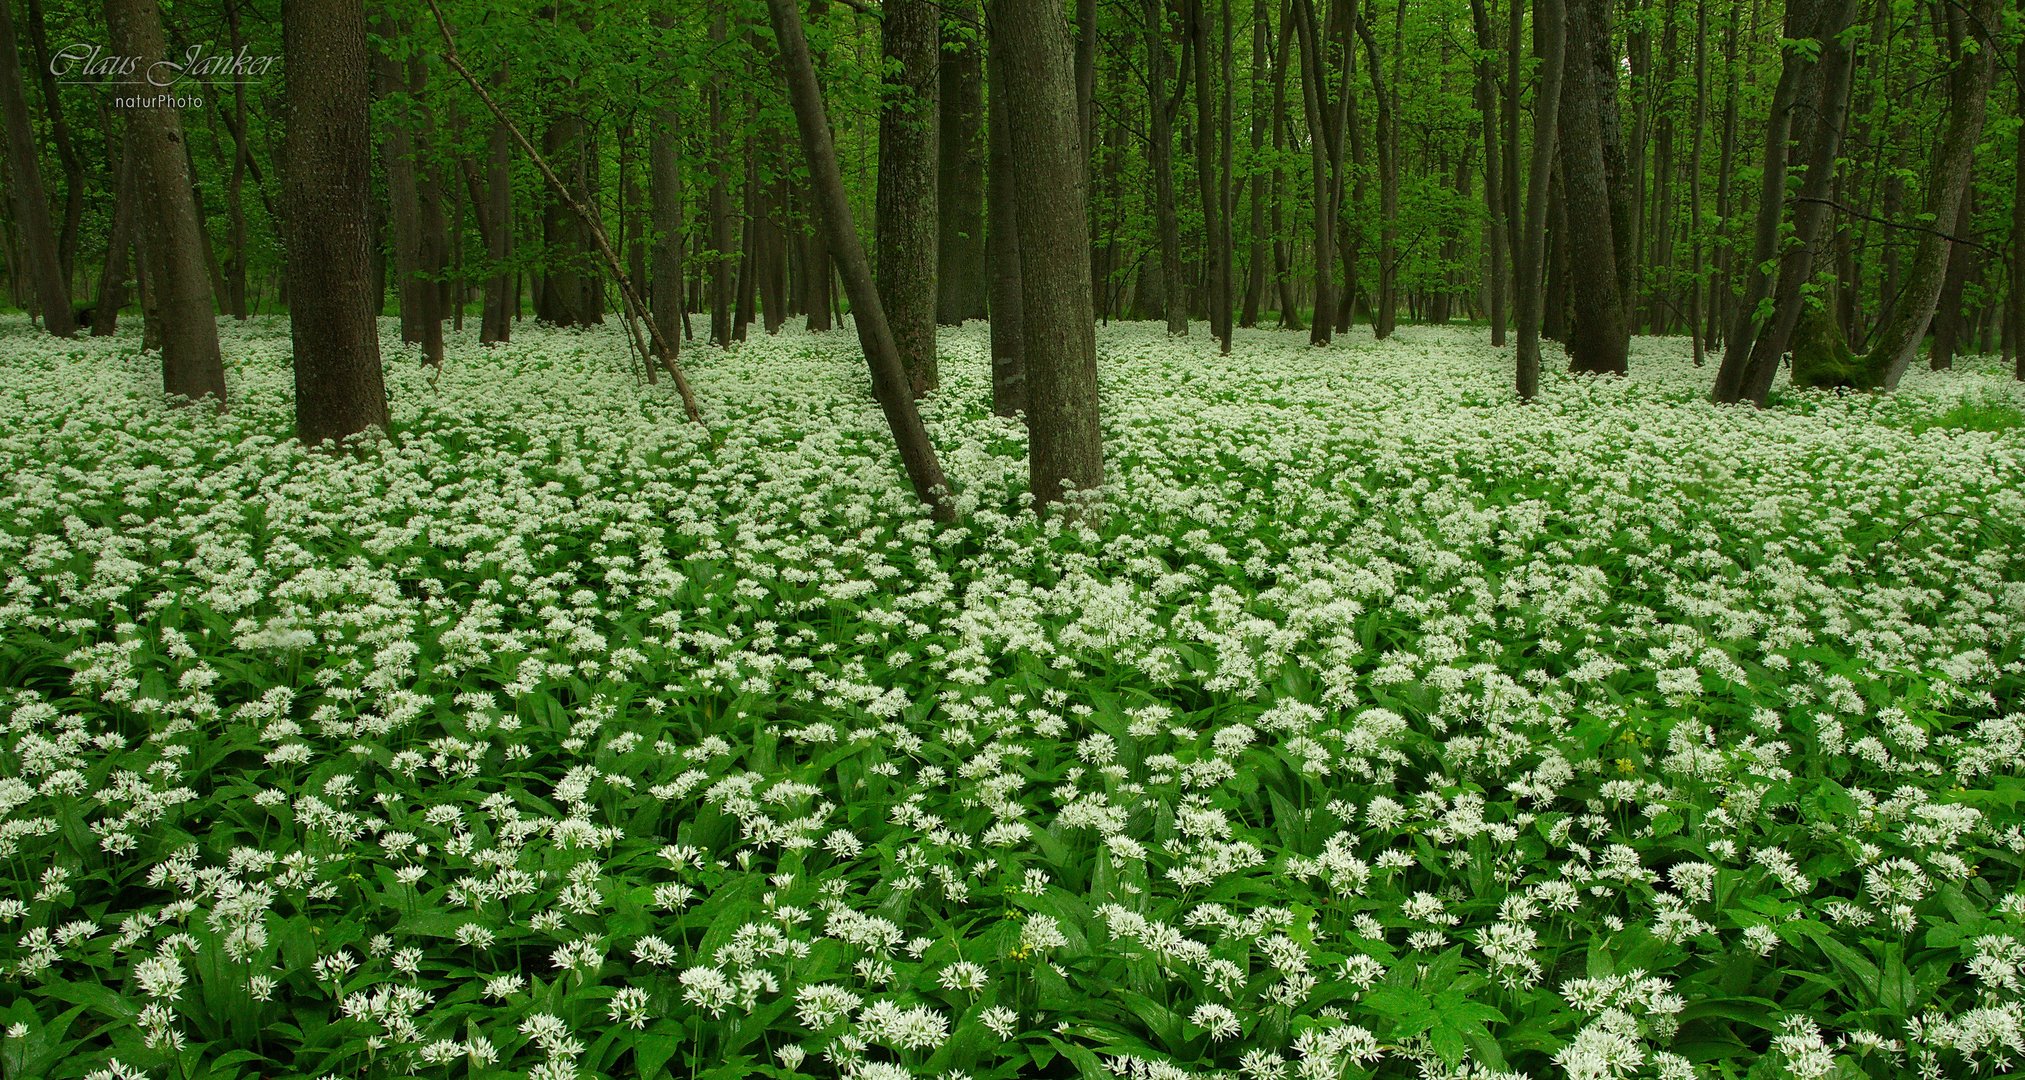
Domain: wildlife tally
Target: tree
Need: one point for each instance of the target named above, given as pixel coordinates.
(1216, 227)
(30, 205)
(1972, 56)
(907, 197)
(890, 385)
(664, 187)
(1160, 127)
(1550, 44)
(1058, 334)
(1002, 252)
(1494, 199)
(192, 366)
(327, 185)
(960, 169)
(1599, 341)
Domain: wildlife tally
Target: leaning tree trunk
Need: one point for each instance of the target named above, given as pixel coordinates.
(1065, 439)
(1549, 34)
(889, 376)
(959, 196)
(1599, 341)
(191, 364)
(30, 205)
(327, 184)
(906, 196)
(1947, 184)
(1002, 253)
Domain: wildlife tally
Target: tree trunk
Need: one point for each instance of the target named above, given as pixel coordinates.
(31, 207)
(1065, 438)
(1948, 319)
(720, 281)
(1549, 43)
(664, 188)
(1259, 257)
(959, 195)
(1160, 160)
(1494, 198)
(432, 251)
(1386, 315)
(1599, 341)
(191, 364)
(889, 376)
(2015, 324)
(1002, 253)
(1325, 155)
(59, 135)
(906, 224)
(1828, 109)
(327, 183)
(1947, 183)
(1283, 281)
(1216, 242)
(497, 323)
(119, 241)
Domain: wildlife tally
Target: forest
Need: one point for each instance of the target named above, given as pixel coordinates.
(988, 539)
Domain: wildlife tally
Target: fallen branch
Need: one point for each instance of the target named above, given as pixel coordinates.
(635, 310)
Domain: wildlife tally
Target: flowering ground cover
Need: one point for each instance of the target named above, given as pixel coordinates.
(1377, 726)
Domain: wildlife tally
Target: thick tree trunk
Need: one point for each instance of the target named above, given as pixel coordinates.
(1160, 160)
(906, 224)
(31, 207)
(191, 364)
(1599, 341)
(1549, 43)
(1947, 184)
(1065, 439)
(959, 195)
(327, 184)
(889, 377)
(1002, 253)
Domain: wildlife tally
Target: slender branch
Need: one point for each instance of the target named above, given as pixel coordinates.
(634, 308)
(1889, 224)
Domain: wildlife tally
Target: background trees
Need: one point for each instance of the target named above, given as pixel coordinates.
(1833, 174)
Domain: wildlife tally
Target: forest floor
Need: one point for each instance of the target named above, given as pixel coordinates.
(1377, 726)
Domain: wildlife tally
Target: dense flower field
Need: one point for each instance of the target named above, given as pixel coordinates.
(1378, 727)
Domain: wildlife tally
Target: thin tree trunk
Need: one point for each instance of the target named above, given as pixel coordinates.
(327, 183)
(112, 280)
(497, 324)
(1949, 322)
(889, 377)
(906, 225)
(1259, 258)
(1160, 159)
(1494, 197)
(1549, 44)
(1216, 243)
(31, 208)
(1283, 281)
(2015, 324)
(1701, 117)
(664, 187)
(1386, 316)
(59, 135)
(1065, 439)
(720, 203)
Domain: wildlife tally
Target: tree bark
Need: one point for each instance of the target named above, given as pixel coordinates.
(1065, 439)
(1259, 257)
(327, 182)
(889, 376)
(1002, 253)
(192, 366)
(30, 205)
(1216, 241)
(959, 196)
(1160, 160)
(664, 189)
(906, 224)
(721, 254)
(1386, 316)
(59, 135)
(1948, 319)
(1494, 197)
(1549, 43)
(1599, 340)
(2015, 323)
(1947, 182)
(119, 242)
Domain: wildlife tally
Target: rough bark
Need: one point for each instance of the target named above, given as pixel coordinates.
(1160, 160)
(185, 309)
(906, 225)
(1065, 440)
(889, 377)
(327, 183)
(1494, 198)
(721, 253)
(1216, 240)
(1259, 257)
